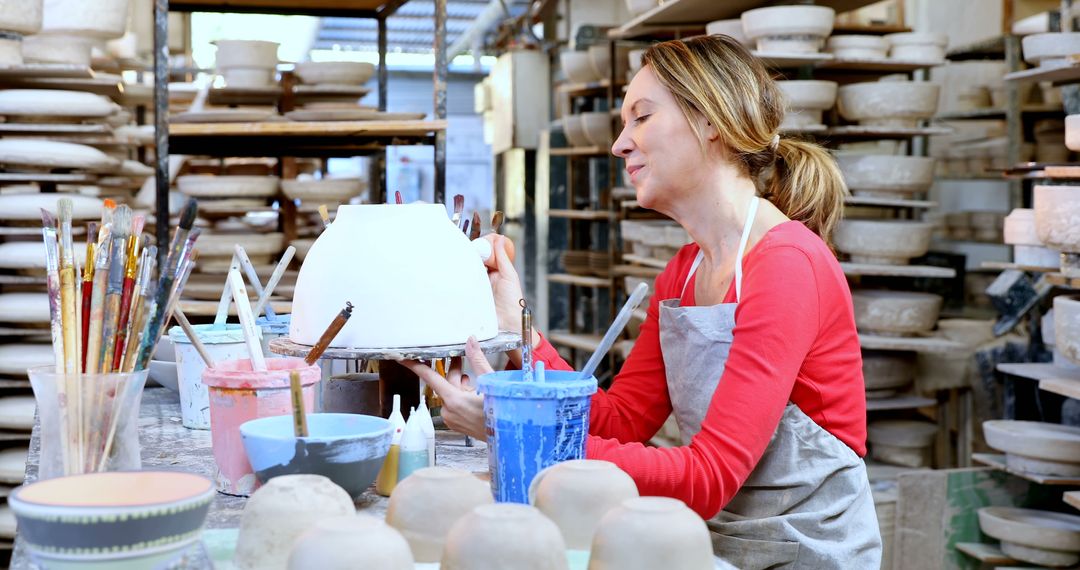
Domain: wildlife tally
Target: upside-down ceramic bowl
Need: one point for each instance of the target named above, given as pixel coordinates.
(1057, 216)
(504, 535)
(858, 47)
(574, 130)
(210, 186)
(888, 103)
(138, 519)
(576, 494)
(335, 72)
(1036, 447)
(1050, 48)
(733, 28)
(788, 29)
(1045, 538)
(246, 54)
(917, 46)
(646, 533)
(346, 448)
(333, 191)
(425, 505)
(351, 541)
(805, 101)
(895, 313)
(886, 175)
(1067, 326)
(577, 65)
(883, 242)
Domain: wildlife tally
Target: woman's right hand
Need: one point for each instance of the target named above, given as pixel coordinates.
(506, 289)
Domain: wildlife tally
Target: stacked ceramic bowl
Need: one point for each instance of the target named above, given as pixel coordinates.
(247, 63)
(588, 129)
(857, 47)
(229, 200)
(1044, 538)
(887, 373)
(904, 104)
(806, 101)
(1028, 249)
(906, 443)
(16, 21)
(1052, 49)
(788, 29)
(886, 176)
(882, 242)
(1057, 209)
(895, 313)
(70, 28)
(733, 28)
(922, 47)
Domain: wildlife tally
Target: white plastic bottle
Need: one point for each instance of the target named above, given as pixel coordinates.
(429, 429)
(414, 453)
(388, 474)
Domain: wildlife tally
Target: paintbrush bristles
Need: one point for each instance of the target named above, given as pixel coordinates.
(48, 219)
(122, 222)
(64, 208)
(138, 222)
(187, 215)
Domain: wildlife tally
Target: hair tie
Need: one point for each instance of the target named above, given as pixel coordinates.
(775, 142)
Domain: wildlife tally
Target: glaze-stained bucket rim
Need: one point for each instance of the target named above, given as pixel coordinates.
(228, 375)
(249, 429)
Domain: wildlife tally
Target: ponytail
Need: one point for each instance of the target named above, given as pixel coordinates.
(806, 185)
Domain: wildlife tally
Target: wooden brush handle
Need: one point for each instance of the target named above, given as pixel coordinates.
(87, 295)
(122, 323)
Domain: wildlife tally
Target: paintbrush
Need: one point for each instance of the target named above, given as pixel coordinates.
(459, 206)
(475, 232)
(68, 303)
(496, 221)
(87, 285)
(189, 330)
(187, 264)
(329, 334)
(526, 341)
(131, 268)
(253, 277)
(465, 227)
(325, 215)
(275, 277)
(114, 288)
(300, 428)
(52, 271)
(156, 319)
(147, 260)
(397, 197)
(247, 321)
(102, 255)
(222, 315)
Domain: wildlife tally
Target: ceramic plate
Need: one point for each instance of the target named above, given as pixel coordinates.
(13, 465)
(222, 116)
(17, 412)
(350, 115)
(15, 358)
(35, 153)
(54, 103)
(32, 308)
(28, 206)
(210, 186)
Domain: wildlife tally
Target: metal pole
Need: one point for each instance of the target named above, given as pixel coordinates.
(440, 100)
(161, 126)
(384, 73)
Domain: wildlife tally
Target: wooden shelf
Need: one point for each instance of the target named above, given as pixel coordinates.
(1072, 498)
(244, 95)
(196, 308)
(888, 202)
(322, 138)
(46, 70)
(873, 29)
(911, 344)
(877, 65)
(992, 113)
(899, 403)
(1061, 171)
(323, 128)
(580, 280)
(997, 461)
(792, 60)
(578, 151)
(582, 89)
(354, 8)
(52, 129)
(111, 87)
(676, 15)
(854, 269)
(985, 553)
(581, 214)
(646, 261)
(870, 132)
(1004, 265)
(579, 341)
(26, 177)
(1059, 280)
(636, 271)
(1069, 73)
(990, 48)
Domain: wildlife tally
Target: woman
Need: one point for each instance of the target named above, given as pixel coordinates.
(750, 337)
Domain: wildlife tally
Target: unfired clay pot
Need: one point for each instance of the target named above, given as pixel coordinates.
(98, 19)
(504, 535)
(971, 332)
(1072, 132)
(246, 54)
(577, 494)
(57, 48)
(1020, 228)
(574, 130)
(647, 533)
(426, 504)
(22, 16)
(328, 190)
(282, 510)
(1051, 48)
(1067, 326)
(597, 127)
(577, 66)
(917, 46)
(884, 242)
(895, 312)
(806, 100)
(1057, 216)
(210, 186)
(1040, 537)
(733, 28)
(351, 541)
(858, 47)
(902, 442)
(888, 103)
(886, 176)
(788, 29)
(886, 370)
(335, 72)
(1036, 447)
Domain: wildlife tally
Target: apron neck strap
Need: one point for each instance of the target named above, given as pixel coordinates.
(747, 226)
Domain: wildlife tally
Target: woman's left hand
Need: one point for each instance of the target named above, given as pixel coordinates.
(463, 408)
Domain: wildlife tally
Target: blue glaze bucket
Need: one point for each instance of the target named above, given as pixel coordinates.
(532, 425)
(272, 329)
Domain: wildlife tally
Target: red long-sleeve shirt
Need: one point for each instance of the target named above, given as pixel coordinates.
(794, 340)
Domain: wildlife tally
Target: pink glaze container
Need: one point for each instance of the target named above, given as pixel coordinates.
(239, 394)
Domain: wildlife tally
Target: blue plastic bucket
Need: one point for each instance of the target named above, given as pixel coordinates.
(272, 329)
(532, 425)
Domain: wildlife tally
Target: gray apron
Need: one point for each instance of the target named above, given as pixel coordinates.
(807, 504)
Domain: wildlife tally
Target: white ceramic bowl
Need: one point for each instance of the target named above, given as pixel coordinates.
(895, 312)
(887, 176)
(884, 242)
(1067, 326)
(247, 77)
(55, 103)
(246, 53)
(330, 190)
(638, 7)
(733, 28)
(806, 100)
(858, 47)
(597, 127)
(577, 66)
(634, 61)
(1057, 216)
(788, 29)
(56, 48)
(574, 130)
(22, 16)
(210, 186)
(221, 245)
(1072, 132)
(918, 46)
(888, 103)
(335, 72)
(1051, 48)
(1020, 228)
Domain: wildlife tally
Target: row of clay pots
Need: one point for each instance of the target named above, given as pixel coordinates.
(876, 103)
(588, 129)
(59, 31)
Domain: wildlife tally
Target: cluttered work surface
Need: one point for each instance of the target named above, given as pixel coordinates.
(168, 445)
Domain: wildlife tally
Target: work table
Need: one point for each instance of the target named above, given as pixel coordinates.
(168, 445)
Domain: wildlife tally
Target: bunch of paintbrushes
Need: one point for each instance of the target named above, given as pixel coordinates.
(107, 317)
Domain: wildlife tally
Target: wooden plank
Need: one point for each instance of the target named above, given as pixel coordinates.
(109, 87)
(1059, 280)
(1062, 171)
(906, 402)
(195, 308)
(578, 151)
(1069, 73)
(646, 261)
(1038, 371)
(855, 269)
(872, 132)
(912, 344)
(579, 341)
(636, 271)
(44, 70)
(48, 128)
(687, 15)
(349, 129)
(581, 280)
(1004, 265)
(1072, 498)
(983, 49)
(876, 65)
(997, 461)
(985, 553)
(888, 202)
(792, 60)
(581, 214)
(244, 95)
(279, 6)
(25, 177)
(872, 29)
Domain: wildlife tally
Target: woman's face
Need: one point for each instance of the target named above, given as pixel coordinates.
(662, 154)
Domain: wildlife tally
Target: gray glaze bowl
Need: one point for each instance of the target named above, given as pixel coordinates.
(346, 448)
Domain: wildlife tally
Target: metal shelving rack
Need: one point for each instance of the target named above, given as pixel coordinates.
(361, 138)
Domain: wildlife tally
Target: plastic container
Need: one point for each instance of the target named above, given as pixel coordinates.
(533, 425)
(239, 394)
(272, 329)
(221, 344)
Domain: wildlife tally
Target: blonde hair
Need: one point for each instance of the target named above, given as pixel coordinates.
(718, 78)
